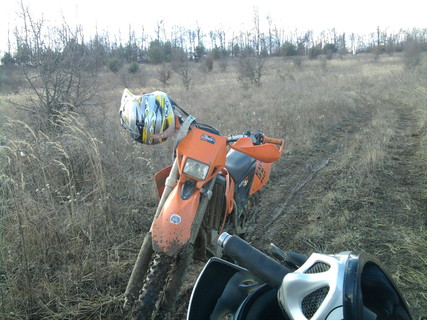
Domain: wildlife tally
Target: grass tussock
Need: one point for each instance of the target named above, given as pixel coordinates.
(76, 201)
(63, 245)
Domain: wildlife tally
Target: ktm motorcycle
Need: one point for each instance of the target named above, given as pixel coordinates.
(212, 186)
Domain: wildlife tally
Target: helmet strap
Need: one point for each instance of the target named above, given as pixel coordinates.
(183, 130)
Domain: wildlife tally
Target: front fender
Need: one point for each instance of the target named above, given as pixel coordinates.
(171, 230)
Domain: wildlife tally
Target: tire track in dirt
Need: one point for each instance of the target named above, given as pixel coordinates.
(387, 214)
(281, 208)
(284, 195)
(403, 183)
(405, 172)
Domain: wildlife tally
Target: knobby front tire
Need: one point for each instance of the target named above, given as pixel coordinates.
(176, 277)
(154, 284)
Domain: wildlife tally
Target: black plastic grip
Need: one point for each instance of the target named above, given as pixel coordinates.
(258, 263)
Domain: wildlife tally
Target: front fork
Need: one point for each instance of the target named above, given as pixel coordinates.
(142, 262)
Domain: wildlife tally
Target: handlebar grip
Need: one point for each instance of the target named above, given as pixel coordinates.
(260, 264)
(272, 140)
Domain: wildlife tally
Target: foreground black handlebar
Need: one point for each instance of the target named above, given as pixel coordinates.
(254, 260)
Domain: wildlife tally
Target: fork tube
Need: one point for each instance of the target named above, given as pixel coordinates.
(207, 195)
(138, 272)
(141, 264)
(170, 183)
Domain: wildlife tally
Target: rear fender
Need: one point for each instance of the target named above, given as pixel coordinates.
(171, 230)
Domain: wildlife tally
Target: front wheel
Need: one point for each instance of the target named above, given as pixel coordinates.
(153, 287)
(176, 278)
(162, 285)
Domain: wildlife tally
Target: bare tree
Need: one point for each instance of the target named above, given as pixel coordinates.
(164, 74)
(270, 35)
(250, 69)
(59, 71)
(257, 31)
(184, 70)
(412, 51)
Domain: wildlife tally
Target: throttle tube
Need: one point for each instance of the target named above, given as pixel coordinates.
(261, 265)
(273, 140)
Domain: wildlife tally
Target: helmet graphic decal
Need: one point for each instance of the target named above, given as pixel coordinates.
(148, 116)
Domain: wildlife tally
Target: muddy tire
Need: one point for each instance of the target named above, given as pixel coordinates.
(152, 290)
(248, 217)
(174, 283)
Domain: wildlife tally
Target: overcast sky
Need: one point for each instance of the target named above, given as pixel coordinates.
(358, 16)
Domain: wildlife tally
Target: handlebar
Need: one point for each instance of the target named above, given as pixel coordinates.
(257, 138)
(275, 141)
(260, 264)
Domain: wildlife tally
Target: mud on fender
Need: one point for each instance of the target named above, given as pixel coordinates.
(172, 228)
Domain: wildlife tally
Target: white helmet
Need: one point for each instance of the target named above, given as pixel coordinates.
(348, 285)
(315, 290)
(149, 118)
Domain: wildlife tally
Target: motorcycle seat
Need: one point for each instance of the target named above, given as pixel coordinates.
(239, 164)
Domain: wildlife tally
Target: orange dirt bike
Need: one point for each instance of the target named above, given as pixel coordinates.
(212, 187)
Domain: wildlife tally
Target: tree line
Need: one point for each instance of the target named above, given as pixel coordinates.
(61, 63)
(36, 38)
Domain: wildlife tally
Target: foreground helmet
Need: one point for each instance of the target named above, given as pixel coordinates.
(349, 285)
(149, 118)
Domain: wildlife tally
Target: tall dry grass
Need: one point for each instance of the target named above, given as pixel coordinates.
(76, 202)
(65, 239)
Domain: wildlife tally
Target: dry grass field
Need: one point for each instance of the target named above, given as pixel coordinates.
(75, 202)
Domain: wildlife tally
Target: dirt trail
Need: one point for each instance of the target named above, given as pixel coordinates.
(384, 215)
(389, 203)
(300, 175)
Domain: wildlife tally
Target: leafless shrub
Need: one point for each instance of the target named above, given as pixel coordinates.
(207, 64)
(223, 63)
(184, 70)
(412, 52)
(250, 69)
(164, 75)
(62, 77)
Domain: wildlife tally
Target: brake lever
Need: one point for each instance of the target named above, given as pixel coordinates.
(256, 137)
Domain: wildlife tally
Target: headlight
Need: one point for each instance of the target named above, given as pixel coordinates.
(196, 169)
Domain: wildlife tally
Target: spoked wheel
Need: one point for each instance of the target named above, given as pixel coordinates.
(248, 217)
(174, 284)
(153, 287)
(162, 285)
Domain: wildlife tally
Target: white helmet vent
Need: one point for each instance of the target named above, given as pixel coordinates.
(312, 302)
(315, 289)
(318, 267)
